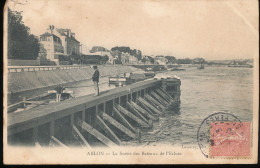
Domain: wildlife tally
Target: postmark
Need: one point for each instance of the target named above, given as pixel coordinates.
(224, 135)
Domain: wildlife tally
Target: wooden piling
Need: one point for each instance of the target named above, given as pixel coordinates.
(123, 120)
(113, 105)
(35, 135)
(108, 131)
(83, 115)
(95, 116)
(151, 99)
(81, 136)
(143, 111)
(104, 108)
(148, 105)
(156, 115)
(118, 125)
(59, 142)
(160, 99)
(52, 128)
(163, 96)
(95, 133)
(133, 117)
(72, 119)
(160, 90)
(136, 112)
(152, 103)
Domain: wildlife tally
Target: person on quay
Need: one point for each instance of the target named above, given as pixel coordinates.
(95, 79)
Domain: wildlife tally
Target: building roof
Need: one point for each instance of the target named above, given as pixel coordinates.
(62, 32)
(74, 39)
(46, 34)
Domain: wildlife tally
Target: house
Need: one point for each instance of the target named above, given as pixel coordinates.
(53, 46)
(71, 45)
(59, 42)
(126, 58)
(161, 60)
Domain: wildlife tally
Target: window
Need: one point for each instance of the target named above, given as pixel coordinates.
(43, 38)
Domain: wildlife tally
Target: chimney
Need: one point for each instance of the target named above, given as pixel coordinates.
(51, 27)
(68, 32)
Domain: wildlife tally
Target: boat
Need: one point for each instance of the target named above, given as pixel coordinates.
(129, 78)
(176, 69)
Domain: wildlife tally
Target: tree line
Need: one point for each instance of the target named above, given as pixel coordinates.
(173, 60)
(21, 44)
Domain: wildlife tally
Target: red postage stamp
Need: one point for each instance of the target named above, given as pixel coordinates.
(230, 139)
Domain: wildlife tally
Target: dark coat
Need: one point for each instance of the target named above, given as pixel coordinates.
(95, 76)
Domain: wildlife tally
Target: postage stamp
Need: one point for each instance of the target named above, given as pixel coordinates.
(224, 135)
(230, 139)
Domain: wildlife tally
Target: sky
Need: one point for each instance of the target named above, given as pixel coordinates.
(211, 29)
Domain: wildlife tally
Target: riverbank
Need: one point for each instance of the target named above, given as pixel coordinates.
(31, 84)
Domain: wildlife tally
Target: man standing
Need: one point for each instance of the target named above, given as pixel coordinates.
(95, 79)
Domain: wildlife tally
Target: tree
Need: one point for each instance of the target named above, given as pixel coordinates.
(138, 54)
(171, 59)
(143, 60)
(42, 55)
(199, 61)
(21, 44)
(122, 49)
(184, 61)
(98, 48)
(151, 59)
(134, 52)
(104, 59)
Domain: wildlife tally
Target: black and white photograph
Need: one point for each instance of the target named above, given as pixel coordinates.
(131, 81)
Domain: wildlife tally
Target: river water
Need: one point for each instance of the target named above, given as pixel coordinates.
(203, 92)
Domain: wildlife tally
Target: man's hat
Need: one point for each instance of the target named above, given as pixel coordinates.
(95, 67)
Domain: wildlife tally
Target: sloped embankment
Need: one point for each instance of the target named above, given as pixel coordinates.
(24, 81)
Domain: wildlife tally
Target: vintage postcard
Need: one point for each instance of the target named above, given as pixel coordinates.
(131, 81)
